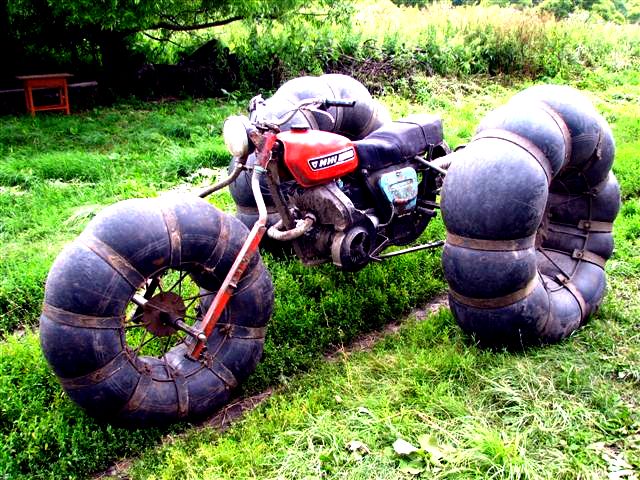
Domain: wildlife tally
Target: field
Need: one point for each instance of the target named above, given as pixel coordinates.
(565, 411)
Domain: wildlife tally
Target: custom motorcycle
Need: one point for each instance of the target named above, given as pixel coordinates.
(158, 311)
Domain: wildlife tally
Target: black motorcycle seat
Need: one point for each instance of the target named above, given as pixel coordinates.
(399, 141)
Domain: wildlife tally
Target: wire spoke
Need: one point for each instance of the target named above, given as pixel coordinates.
(137, 325)
(200, 295)
(179, 281)
(165, 348)
(142, 342)
(135, 316)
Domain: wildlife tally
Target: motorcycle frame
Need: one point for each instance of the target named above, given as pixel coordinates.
(265, 143)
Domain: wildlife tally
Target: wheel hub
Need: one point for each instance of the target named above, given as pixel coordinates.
(160, 312)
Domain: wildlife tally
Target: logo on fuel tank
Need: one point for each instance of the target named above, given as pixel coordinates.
(328, 161)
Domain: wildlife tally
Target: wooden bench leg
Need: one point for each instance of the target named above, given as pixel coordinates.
(28, 93)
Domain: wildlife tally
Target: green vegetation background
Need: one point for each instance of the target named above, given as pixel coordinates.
(57, 172)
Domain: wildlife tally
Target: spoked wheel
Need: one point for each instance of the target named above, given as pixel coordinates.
(122, 308)
(164, 313)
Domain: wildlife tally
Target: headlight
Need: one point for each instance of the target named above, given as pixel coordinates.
(235, 135)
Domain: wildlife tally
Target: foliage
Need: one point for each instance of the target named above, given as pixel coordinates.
(84, 34)
(618, 11)
(609, 10)
(540, 399)
(387, 46)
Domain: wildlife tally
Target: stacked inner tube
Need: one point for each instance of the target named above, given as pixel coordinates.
(93, 280)
(528, 206)
(353, 122)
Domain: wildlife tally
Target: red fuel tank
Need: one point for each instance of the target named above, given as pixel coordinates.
(314, 156)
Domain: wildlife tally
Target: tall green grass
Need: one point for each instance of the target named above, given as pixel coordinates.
(384, 43)
(56, 173)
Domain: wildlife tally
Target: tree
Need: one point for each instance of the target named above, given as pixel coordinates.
(98, 33)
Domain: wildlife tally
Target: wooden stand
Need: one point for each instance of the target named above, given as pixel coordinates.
(56, 81)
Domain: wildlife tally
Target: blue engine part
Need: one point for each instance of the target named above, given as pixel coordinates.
(401, 189)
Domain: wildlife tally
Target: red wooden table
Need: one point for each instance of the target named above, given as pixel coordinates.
(54, 81)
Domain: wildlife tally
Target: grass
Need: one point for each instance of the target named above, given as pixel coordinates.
(489, 413)
(57, 172)
(567, 411)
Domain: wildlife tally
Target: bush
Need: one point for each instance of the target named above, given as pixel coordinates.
(385, 44)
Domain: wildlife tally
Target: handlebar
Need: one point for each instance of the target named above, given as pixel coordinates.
(339, 103)
(318, 105)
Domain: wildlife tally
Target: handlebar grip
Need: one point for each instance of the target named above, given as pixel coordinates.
(339, 103)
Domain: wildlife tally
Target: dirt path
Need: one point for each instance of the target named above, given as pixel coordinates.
(222, 420)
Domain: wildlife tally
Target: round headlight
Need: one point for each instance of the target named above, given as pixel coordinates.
(235, 135)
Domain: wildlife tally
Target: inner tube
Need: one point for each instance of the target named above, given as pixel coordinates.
(353, 122)
(88, 314)
(528, 207)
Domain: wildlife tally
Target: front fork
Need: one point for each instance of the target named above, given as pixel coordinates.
(246, 253)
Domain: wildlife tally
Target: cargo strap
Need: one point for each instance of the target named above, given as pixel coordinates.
(240, 331)
(222, 242)
(182, 392)
(566, 134)
(71, 319)
(491, 245)
(588, 256)
(497, 302)
(524, 143)
(566, 229)
(116, 261)
(221, 371)
(173, 229)
(566, 283)
(140, 393)
(596, 227)
(109, 369)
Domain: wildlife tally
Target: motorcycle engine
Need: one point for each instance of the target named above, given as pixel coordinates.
(342, 232)
(365, 195)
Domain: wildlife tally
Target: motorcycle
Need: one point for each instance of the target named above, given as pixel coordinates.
(158, 311)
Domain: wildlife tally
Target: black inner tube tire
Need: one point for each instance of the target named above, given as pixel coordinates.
(122, 358)
(528, 206)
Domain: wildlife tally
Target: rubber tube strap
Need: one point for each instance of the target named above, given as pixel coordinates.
(139, 394)
(566, 229)
(116, 261)
(109, 369)
(588, 256)
(182, 392)
(220, 370)
(491, 245)
(173, 229)
(221, 244)
(595, 227)
(71, 319)
(233, 330)
(573, 290)
(497, 302)
(595, 191)
(524, 143)
(562, 125)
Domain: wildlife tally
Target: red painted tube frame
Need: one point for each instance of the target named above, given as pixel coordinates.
(248, 250)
